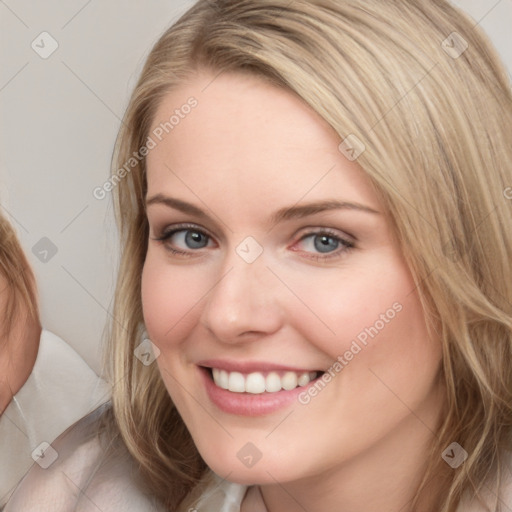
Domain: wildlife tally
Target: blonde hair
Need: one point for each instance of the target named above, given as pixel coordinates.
(435, 118)
(21, 303)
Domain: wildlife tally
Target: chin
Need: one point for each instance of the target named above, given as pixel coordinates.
(262, 472)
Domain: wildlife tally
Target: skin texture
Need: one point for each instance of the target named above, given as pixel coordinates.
(18, 351)
(247, 151)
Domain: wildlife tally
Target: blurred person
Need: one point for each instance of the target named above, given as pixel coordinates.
(45, 386)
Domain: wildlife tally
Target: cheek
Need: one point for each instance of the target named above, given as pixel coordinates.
(361, 305)
(170, 299)
(373, 319)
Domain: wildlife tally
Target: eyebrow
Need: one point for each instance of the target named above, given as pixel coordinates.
(177, 204)
(284, 214)
(299, 211)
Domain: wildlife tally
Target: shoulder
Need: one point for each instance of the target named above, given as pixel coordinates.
(83, 471)
(490, 493)
(506, 483)
(56, 354)
(60, 390)
(60, 377)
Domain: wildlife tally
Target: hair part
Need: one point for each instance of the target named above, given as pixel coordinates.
(437, 136)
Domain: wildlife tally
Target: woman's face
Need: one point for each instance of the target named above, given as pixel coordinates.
(270, 261)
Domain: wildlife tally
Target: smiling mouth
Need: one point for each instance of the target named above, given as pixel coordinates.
(257, 383)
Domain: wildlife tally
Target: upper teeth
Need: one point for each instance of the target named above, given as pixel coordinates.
(258, 382)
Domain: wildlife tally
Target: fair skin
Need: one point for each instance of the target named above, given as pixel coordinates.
(248, 151)
(18, 350)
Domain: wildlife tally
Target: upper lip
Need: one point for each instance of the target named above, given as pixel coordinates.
(250, 366)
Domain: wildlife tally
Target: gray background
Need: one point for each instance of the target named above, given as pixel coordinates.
(59, 119)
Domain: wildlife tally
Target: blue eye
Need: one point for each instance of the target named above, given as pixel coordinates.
(324, 243)
(184, 240)
(192, 239)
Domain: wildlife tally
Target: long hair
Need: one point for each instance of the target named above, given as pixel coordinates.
(21, 294)
(422, 92)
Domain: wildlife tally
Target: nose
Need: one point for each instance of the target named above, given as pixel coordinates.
(244, 304)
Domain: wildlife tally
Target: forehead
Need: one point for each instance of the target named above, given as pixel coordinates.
(245, 136)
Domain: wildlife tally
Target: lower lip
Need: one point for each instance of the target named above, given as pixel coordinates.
(248, 404)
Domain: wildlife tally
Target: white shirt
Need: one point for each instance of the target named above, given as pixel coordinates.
(92, 473)
(61, 389)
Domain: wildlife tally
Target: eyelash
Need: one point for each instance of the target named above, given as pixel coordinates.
(346, 245)
(167, 234)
